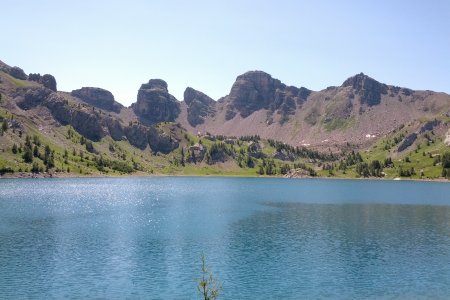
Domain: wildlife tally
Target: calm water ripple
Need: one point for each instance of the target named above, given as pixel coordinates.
(119, 238)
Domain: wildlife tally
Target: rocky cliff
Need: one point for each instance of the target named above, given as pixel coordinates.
(98, 97)
(154, 103)
(46, 80)
(199, 106)
(257, 90)
(368, 89)
(358, 112)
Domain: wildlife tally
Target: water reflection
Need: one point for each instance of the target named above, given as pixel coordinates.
(342, 251)
(142, 238)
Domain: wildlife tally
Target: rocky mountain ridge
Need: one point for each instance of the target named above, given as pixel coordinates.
(262, 127)
(356, 113)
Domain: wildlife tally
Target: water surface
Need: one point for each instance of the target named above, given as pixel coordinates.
(121, 238)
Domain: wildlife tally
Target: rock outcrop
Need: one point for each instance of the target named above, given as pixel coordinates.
(430, 125)
(257, 90)
(253, 91)
(137, 135)
(408, 141)
(115, 129)
(46, 80)
(199, 106)
(155, 104)
(140, 136)
(368, 89)
(4, 67)
(160, 141)
(28, 98)
(49, 82)
(98, 97)
(18, 73)
(87, 122)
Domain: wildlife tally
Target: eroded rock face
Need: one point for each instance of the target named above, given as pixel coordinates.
(155, 104)
(408, 141)
(18, 73)
(85, 121)
(367, 88)
(253, 91)
(59, 108)
(137, 135)
(430, 125)
(257, 90)
(4, 67)
(115, 129)
(98, 97)
(199, 106)
(161, 142)
(47, 80)
(88, 124)
(31, 97)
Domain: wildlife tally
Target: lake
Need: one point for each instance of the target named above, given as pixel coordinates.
(263, 238)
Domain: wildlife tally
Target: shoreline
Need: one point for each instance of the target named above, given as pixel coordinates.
(24, 175)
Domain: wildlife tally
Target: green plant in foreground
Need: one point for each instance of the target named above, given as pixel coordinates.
(208, 286)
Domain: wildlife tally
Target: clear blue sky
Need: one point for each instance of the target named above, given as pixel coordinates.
(117, 45)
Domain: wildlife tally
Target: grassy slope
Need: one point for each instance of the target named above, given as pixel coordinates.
(60, 140)
(145, 162)
(421, 155)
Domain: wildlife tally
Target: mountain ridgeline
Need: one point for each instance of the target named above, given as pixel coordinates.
(262, 126)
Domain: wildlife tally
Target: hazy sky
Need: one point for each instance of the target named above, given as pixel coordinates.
(118, 45)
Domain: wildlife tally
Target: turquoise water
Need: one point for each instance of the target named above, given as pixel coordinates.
(118, 238)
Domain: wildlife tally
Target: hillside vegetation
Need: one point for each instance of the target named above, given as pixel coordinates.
(45, 132)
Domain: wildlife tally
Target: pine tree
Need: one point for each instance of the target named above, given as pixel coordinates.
(36, 151)
(5, 125)
(208, 286)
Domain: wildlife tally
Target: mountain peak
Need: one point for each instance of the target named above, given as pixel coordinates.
(367, 88)
(356, 80)
(254, 74)
(155, 84)
(199, 106)
(154, 103)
